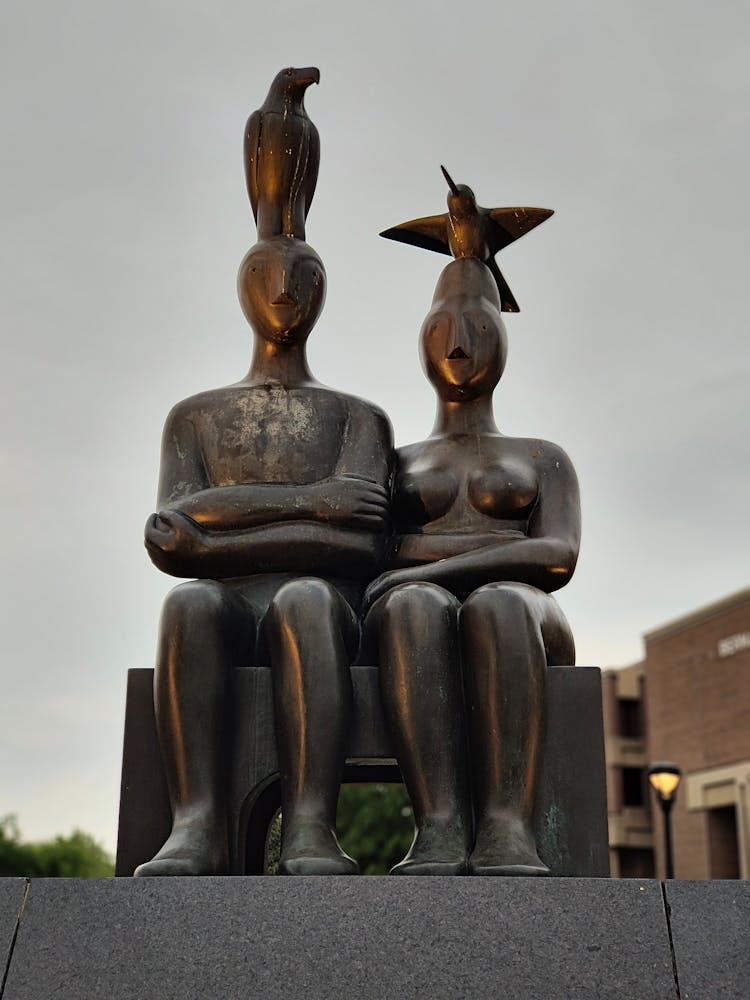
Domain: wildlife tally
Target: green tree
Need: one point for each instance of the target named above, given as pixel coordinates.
(76, 856)
(375, 825)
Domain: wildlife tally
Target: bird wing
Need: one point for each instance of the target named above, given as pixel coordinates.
(430, 233)
(301, 176)
(251, 149)
(313, 161)
(512, 223)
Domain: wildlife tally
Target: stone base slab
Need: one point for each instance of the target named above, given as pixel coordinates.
(332, 938)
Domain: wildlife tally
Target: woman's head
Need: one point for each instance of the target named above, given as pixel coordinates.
(463, 344)
(282, 287)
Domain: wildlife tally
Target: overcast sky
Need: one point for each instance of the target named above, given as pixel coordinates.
(124, 218)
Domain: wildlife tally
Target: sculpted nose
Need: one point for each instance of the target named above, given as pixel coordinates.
(279, 287)
(458, 340)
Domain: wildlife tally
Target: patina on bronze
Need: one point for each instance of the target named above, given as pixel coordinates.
(468, 230)
(273, 494)
(487, 527)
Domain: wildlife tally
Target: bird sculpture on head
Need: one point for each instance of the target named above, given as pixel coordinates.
(468, 230)
(282, 154)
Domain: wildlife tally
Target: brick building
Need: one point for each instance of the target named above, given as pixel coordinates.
(688, 701)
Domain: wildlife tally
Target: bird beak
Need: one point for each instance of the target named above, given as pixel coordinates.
(307, 76)
(448, 177)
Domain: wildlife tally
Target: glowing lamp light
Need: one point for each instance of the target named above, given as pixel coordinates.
(664, 777)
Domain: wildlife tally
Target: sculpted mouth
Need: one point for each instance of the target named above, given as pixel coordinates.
(458, 353)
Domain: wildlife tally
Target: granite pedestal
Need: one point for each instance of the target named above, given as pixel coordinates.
(710, 924)
(12, 894)
(370, 939)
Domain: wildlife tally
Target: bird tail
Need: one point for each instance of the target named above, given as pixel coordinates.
(507, 299)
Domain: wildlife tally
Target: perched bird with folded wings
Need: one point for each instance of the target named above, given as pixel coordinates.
(282, 155)
(468, 230)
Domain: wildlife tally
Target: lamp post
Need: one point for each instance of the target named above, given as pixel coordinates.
(664, 777)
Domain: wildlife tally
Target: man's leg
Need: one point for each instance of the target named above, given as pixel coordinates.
(312, 635)
(203, 630)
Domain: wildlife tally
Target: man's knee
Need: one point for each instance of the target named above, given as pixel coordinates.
(308, 598)
(203, 600)
(311, 607)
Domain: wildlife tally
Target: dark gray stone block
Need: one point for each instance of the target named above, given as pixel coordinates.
(347, 938)
(12, 891)
(571, 827)
(145, 813)
(711, 938)
(571, 808)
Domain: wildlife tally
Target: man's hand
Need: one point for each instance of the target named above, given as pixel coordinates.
(172, 533)
(349, 501)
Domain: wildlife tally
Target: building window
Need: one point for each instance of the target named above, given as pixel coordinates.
(631, 718)
(632, 786)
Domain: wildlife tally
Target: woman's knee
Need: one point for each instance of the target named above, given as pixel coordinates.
(507, 603)
(410, 600)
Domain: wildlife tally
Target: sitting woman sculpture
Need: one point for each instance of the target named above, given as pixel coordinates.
(273, 494)
(487, 527)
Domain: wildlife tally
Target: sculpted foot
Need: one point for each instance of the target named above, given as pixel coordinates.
(195, 847)
(437, 850)
(311, 848)
(505, 846)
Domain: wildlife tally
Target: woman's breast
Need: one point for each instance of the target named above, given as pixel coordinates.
(425, 496)
(505, 489)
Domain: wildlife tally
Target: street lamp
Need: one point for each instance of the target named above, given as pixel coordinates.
(664, 777)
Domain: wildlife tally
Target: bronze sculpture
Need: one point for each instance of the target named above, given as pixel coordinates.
(282, 154)
(487, 527)
(274, 497)
(468, 230)
(273, 494)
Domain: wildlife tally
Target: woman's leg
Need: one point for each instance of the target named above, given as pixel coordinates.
(509, 634)
(204, 629)
(420, 682)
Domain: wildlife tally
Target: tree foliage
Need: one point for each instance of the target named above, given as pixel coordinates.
(76, 856)
(375, 825)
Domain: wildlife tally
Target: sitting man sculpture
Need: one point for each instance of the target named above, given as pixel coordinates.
(273, 494)
(487, 526)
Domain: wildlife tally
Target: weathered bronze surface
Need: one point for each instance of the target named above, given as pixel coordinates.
(273, 494)
(468, 230)
(465, 627)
